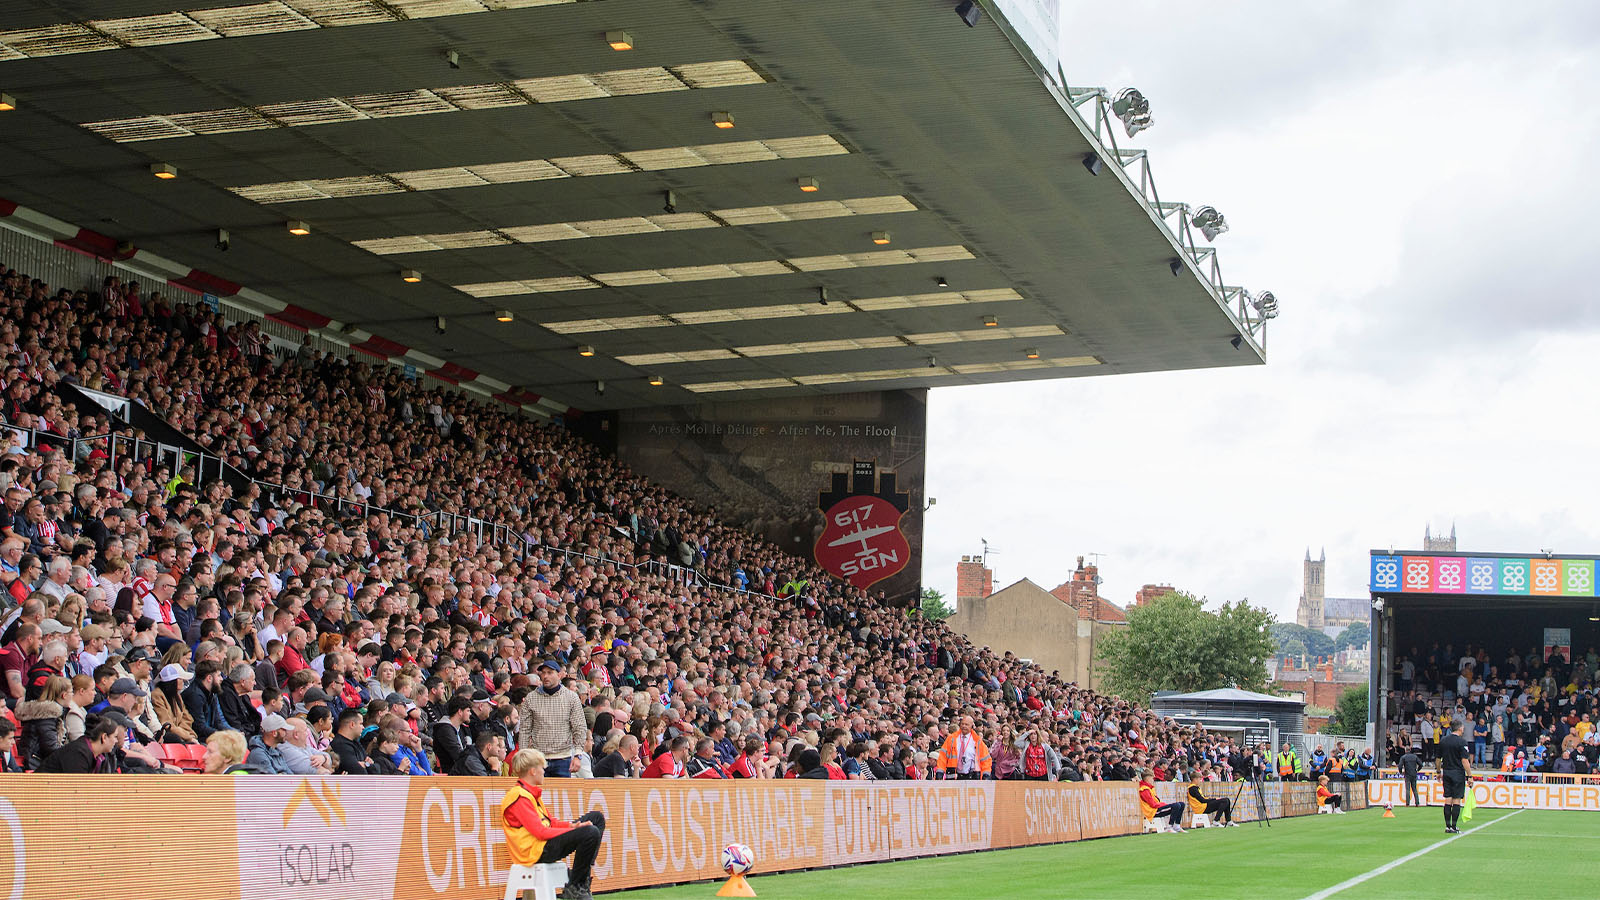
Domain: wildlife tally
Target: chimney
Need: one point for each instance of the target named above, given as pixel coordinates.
(973, 581)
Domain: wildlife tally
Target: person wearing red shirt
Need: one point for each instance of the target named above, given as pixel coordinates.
(1035, 761)
(534, 837)
(829, 753)
(749, 763)
(671, 763)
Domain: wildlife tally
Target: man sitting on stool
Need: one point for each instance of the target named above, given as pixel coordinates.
(1154, 808)
(1326, 797)
(1198, 804)
(533, 837)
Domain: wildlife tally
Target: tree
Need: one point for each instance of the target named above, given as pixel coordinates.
(1173, 643)
(1350, 715)
(933, 606)
(1312, 641)
(1358, 634)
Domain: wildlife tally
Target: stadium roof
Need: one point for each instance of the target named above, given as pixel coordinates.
(531, 176)
(1227, 695)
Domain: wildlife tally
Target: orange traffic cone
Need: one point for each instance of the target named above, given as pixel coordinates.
(736, 887)
(1388, 810)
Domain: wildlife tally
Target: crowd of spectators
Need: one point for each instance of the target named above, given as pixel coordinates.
(1524, 713)
(315, 614)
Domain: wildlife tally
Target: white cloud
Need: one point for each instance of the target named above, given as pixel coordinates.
(1416, 189)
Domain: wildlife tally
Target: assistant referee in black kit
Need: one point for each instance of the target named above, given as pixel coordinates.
(1454, 751)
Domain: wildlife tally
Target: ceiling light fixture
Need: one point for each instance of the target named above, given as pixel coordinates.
(942, 281)
(809, 185)
(1237, 342)
(298, 228)
(1031, 353)
(1175, 264)
(657, 381)
(990, 321)
(969, 12)
(1093, 163)
(410, 276)
(619, 40)
(504, 315)
(585, 350)
(722, 119)
(164, 171)
(7, 103)
(453, 59)
(880, 237)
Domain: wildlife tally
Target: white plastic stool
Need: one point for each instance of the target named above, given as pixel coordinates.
(544, 880)
(1323, 808)
(1200, 820)
(1150, 825)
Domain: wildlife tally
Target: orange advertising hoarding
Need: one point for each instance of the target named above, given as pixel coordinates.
(155, 837)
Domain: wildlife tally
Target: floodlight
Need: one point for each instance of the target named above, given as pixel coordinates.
(585, 350)
(1209, 221)
(410, 276)
(164, 171)
(722, 119)
(657, 381)
(880, 237)
(1031, 353)
(297, 228)
(942, 281)
(619, 40)
(504, 315)
(1133, 109)
(809, 185)
(1266, 305)
(7, 103)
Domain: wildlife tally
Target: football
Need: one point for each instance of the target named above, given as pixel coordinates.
(737, 859)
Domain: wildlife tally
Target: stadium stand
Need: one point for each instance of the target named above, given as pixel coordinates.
(356, 573)
(1524, 713)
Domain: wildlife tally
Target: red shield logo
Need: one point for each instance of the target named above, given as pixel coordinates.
(862, 542)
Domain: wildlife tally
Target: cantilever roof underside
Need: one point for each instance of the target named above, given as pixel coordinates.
(532, 179)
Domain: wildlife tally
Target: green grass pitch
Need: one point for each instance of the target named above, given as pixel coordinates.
(1531, 853)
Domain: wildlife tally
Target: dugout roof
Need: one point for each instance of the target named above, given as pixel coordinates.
(531, 178)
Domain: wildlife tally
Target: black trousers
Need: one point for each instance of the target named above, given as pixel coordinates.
(581, 842)
(1411, 791)
(1173, 812)
(1333, 802)
(1222, 806)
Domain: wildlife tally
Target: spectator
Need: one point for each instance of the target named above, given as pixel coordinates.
(620, 759)
(350, 758)
(450, 740)
(225, 754)
(42, 722)
(483, 758)
(170, 710)
(704, 763)
(671, 764)
(95, 752)
(8, 748)
(237, 696)
(964, 755)
(202, 700)
(266, 755)
(553, 722)
(297, 752)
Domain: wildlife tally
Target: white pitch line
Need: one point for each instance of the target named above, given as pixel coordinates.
(1368, 876)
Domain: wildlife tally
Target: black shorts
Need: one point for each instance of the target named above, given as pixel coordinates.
(1455, 785)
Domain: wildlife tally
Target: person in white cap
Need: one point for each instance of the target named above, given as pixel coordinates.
(265, 756)
(167, 701)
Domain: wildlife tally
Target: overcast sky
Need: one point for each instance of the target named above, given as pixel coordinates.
(1417, 184)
